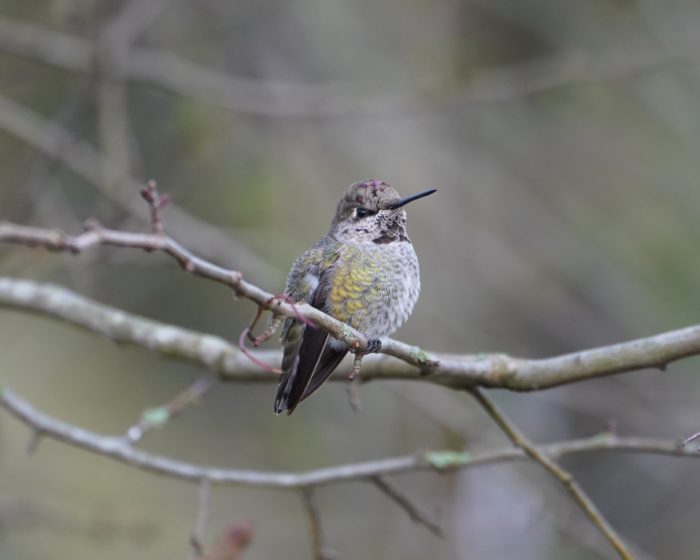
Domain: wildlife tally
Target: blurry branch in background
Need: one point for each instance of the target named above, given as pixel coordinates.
(165, 70)
(119, 449)
(440, 461)
(285, 99)
(111, 54)
(113, 124)
(135, 17)
(571, 69)
(567, 480)
(233, 540)
(90, 164)
(414, 511)
(200, 526)
(159, 416)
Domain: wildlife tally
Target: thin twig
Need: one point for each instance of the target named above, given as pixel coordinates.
(120, 450)
(262, 364)
(414, 511)
(200, 526)
(97, 235)
(223, 358)
(247, 333)
(34, 442)
(270, 330)
(159, 416)
(541, 457)
(156, 202)
(691, 439)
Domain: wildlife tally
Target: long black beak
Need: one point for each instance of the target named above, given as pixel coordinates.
(404, 201)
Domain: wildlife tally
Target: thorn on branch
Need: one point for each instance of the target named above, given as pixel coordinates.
(34, 442)
(156, 203)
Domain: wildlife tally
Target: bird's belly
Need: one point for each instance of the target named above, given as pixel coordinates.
(375, 287)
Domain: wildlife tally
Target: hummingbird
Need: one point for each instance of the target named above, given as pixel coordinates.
(363, 272)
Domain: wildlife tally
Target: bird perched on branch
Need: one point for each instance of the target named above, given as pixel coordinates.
(364, 272)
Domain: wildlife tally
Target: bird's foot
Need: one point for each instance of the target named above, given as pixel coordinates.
(374, 345)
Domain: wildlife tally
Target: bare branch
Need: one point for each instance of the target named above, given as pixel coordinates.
(111, 98)
(136, 17)
(690, 439)
(567, 480)
(97, 235)
(208, 351)
(414, 511)
(159, 416)
(214, 353)
(120, 450)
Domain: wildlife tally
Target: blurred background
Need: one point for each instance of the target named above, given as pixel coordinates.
(563, 138)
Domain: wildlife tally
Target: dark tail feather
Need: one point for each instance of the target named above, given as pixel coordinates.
(315, 363)
(327, 365)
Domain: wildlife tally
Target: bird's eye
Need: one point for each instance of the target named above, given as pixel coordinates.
(361, 213)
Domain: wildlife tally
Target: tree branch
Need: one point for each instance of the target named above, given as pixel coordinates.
(120, 450)
(217, 355)
(541, 457)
